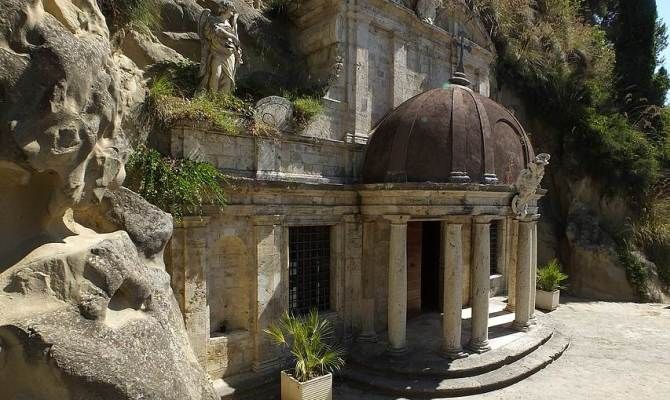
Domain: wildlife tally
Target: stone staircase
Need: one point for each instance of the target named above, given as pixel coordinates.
(474, 375)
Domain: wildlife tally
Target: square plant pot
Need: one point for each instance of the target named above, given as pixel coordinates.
(547, 300)
(320, 388)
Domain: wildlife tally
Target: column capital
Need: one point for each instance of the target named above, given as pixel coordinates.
(529, 218)
(398, 219)
(267, 220)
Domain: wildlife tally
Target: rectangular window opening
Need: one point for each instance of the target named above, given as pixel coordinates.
(309, 269)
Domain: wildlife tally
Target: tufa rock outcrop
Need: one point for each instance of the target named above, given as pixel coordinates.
(86, 309)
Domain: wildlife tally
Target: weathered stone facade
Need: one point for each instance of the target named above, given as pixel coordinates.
(230, 269)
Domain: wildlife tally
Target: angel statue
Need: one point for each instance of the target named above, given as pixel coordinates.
(221, 51)
(527, 183)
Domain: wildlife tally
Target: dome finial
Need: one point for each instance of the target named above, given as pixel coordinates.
(459, 77)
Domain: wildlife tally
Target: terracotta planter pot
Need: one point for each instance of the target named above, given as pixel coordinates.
(547, 300)
(320, 388)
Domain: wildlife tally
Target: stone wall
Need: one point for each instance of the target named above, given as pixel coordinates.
(386, 55)
(281, 157)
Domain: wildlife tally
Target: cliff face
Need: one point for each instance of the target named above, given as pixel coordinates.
(86, 309)
(579, 226)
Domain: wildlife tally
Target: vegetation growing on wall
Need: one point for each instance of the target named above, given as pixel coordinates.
(587, 70)
(139, 13)
(652, 230)
(180, 187)
(173, 98)
(565, 68)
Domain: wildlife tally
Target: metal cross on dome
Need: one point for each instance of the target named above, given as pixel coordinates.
(462, 47)
(459, 77)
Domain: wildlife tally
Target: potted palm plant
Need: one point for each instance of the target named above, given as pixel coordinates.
(307, 338)
(549, 280)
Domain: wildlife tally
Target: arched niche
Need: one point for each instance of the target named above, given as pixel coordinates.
(229, 286)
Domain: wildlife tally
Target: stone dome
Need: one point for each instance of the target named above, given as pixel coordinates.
(447, 135)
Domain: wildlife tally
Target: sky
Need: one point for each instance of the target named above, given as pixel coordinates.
(664, 12)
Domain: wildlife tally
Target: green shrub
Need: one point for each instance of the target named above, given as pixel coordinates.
(306, 108)
(652, 231)
(180, 187)
(223, 112)
(550, 277)
(182, 77)
(307, 338)
(636, 272)
(139, 13)
(563, 67)
(608, 147)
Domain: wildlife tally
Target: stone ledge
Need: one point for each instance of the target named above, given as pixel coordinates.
(435, 386)
(435, 365)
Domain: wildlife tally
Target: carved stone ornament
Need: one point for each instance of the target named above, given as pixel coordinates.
(527, 184)
(274, 111)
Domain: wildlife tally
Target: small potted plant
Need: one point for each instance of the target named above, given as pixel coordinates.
(307, 338)
(549, 280)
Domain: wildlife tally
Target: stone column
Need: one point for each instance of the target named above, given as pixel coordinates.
(352, 247)
(512, 246)
(481, 287)
(397, 284)
(523, 277)
(452, 302)
(195, 307)
(533, 269)
(367, 311)
(269, 294)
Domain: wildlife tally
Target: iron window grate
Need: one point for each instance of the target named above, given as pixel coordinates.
(309, 269)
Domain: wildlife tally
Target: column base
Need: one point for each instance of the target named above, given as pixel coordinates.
(367, 338)
(453, 354)
(479, 346)
(532, 320)
(395, 352)
(510, 308)
(521, 326)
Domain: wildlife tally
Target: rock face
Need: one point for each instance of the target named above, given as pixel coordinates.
(593, 265)
(86, 308)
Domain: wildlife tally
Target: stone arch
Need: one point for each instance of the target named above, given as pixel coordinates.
(229, 286)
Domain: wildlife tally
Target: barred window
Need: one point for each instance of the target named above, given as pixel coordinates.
(309, 269)
(494, 247)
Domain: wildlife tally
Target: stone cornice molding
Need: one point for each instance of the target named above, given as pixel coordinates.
(529, 218)
(398, 219)
(267, 220)
(486, 219)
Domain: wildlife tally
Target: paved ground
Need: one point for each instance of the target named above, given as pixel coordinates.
(619, 351)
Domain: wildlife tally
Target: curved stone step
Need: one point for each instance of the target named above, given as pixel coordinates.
(425, 386)
(475, 364)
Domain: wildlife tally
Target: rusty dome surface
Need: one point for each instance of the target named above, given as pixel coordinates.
(447, 135)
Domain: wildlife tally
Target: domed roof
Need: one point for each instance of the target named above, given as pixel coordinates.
(447, 135)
